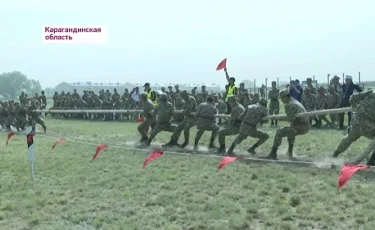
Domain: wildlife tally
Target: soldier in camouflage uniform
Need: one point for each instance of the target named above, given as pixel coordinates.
(298, 125)
(253, 115)
(34, 117)
(11, 119)
(147, 113)
(234, 124)
(309, 102)
(221, 106)
(21, 116)
(164, 112)
(274, 106)
(185, 125)
(333, 102)
(321, 102)
(309, 85)
(3, 114)
(363, 123)
(205, 116)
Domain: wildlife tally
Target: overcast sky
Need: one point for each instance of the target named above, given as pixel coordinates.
(183, 41)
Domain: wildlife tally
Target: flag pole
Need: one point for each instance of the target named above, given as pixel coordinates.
(30, 150)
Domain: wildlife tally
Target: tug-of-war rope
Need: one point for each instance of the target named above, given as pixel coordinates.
(134, 111)
(346, 172)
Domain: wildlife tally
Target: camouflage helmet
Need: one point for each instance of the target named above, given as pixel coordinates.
(184, 93)
(263, 102)
(163, 97)
(284, 92)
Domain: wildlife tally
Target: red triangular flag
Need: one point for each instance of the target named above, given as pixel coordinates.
(60, 140)
(30, 136)
(100, 148)
(10, 135)
(154, 155)
(347, 171)
(222, 65)
(140, 119)
(225, 161)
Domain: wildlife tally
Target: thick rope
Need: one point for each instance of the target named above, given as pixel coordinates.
(224, 116)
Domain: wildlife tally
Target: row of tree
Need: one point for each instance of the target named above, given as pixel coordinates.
(13, 83)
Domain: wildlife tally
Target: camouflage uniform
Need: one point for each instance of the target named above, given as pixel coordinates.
(363, 122)
(298, 125)
(274, 106)
(333, 102)
(164, 112)
(205, 116)
(253, 115)
(321, 102)
(188, 121)
(147, 113)
(309, 102)
(34, 117)
(21, 116)
(234, 124)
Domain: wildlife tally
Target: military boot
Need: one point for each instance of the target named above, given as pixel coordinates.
(221, 149)
(251, 150)
(272, 155)
(371, 161)
(196, 145)
(230, 150)
(171, 143)
(211, 144)
(143, 139)
(148, 143)
(335, 154)
(183, 145)
(290, 152)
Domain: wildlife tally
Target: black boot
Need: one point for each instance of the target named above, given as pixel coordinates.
(171, 143)
(196, 145)
(251, 150)
(290, 152)
(143, 139)
(148, 143)
(230, 150)
(272, 155)
(335, 154)
(211, 144)
(221, 149)
(183, 145)
(371, 161)
(272, 123)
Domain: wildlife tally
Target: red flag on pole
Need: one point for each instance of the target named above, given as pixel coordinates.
(225, 161)
(140, 119)
(347, 171)
(100, 148)
(154, 155)
(222, 65)
(30, 137)
(59, 141)
(10, 135)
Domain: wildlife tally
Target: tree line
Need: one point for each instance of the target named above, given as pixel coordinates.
(13, 83)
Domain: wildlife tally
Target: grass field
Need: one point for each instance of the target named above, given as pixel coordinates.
(174, 192)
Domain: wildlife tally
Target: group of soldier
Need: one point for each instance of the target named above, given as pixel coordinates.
(22, 113)
(244, 121)
(246, 112)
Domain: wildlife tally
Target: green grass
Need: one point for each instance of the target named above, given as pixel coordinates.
(174, 192)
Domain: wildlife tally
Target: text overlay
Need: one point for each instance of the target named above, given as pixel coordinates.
(75, 34)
